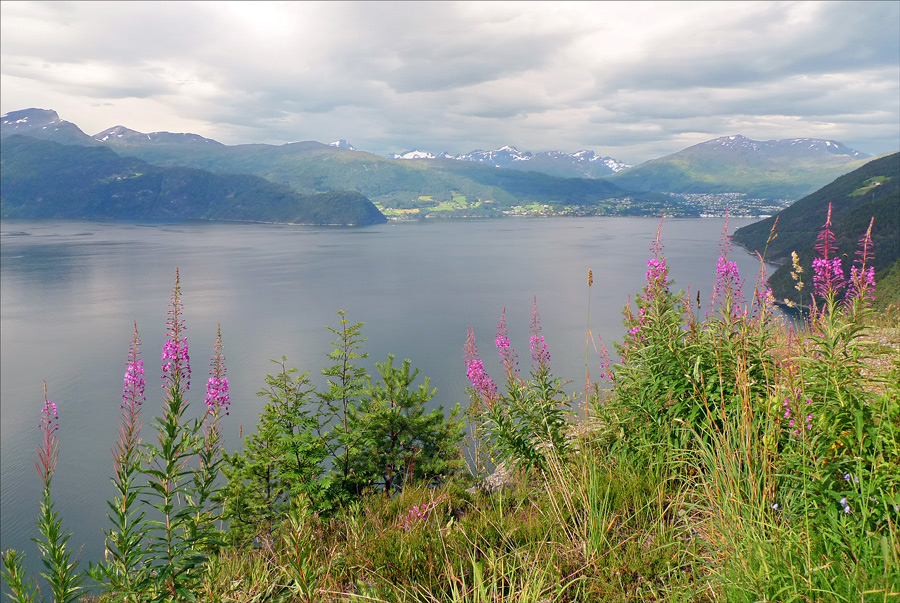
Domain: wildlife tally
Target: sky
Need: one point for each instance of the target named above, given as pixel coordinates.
(633, 80)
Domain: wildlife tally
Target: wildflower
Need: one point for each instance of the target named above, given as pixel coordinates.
(508, 356)
(797, 271)
(539, 352)
(478, 377)
(217, 385)
(133, 392)
(862, 273)
(775, 506)
(828, 276)
(49, 448)
(176, 361)
(844, 504)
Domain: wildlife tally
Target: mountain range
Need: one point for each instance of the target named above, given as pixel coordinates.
(482, 183)
(582, 164)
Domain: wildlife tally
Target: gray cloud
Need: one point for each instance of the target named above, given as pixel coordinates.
(632, 80)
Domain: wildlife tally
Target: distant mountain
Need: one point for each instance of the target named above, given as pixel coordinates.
(421, 183)
(44, 124)
(773, 169)
(44, 179)
(414, 155)
(342, 144)
(583, 164)
(439, 187)
(123, 135)
(872, 190)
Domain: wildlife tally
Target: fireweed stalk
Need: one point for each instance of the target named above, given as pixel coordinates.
(527, 421)
(124, 554)
(217, 401)
(62, 575)
(177, 545)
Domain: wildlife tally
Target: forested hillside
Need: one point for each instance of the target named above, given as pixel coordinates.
(48, 179)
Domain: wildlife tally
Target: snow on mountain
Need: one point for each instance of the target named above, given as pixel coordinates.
(741, 143)
(44, 124)
(411, 155)
(27, 119)
(582, 163)
(126, 136)
(342, 144)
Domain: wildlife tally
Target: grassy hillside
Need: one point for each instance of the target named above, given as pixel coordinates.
(48, 179)
(872, 190)
(704, 168)
(309, 167)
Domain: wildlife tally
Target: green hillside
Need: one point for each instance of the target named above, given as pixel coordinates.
(872, 190)
(47, 179)
(309, 167)
(768, 170)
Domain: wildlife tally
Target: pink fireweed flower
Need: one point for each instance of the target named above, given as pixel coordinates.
(862, 273)
(828, 276)
(539, 352)
(133, 392)
(217, 385)
(508, 356)
(176, 361)
(475, 372)
(48, 451)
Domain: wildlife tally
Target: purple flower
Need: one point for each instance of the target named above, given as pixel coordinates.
(828, 276)
(508, 356)
(862, 273)
(133, 392)
(656, 270)
(176, 361)
(217, 385)
(475, 372)
(539, 352)
(49, 449)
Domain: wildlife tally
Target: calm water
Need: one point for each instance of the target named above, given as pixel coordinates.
(70, 291)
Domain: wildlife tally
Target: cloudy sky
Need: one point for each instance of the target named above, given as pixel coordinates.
(631, 80)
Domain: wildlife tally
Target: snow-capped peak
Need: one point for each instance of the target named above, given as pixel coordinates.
(417, 154)
(342, 144)
(509, 156)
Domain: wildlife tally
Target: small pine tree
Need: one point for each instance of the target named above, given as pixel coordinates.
(281, 460)
(345, 385)
(394, 441)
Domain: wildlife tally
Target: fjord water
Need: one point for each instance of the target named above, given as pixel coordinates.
(70, 291)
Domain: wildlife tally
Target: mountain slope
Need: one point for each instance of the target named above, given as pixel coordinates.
(310, 167)
(871, 190)
(43, 124)
(48, 179)
(773, 169)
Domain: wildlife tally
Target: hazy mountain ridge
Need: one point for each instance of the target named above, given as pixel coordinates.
(47, 179)
(123, 135)
(421, 181)
(311, 167)
(774, 169)
(581, 164)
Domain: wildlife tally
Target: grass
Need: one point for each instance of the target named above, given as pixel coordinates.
(722, 518)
